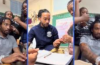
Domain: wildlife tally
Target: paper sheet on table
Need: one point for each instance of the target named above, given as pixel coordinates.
(42, 53)
(54, 58)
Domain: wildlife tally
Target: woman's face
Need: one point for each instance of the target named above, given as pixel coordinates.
(25, 8)
(9, 15)
(84, 11)
(70, 8)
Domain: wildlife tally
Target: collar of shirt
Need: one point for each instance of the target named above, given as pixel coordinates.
(93, 38)
(43, 27)
(84, 27)
(5, 37)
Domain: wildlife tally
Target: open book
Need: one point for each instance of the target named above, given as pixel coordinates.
(48, 57)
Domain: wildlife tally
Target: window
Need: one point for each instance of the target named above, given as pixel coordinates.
(15, 7)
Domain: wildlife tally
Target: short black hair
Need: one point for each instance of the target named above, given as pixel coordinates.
(6, 13)
(97, 20)
(69, 2)
(3, 19)
(82, 9)
(42, 11)
(97, 17)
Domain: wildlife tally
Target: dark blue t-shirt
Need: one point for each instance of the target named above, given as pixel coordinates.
(24, 34)
(44, 36)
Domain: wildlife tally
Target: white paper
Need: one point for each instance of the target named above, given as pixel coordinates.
(54, 58)
(63, 25)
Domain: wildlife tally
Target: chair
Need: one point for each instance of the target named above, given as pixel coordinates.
(77, 52)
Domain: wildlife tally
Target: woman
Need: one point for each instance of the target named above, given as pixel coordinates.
(15, 28)
(23, 23)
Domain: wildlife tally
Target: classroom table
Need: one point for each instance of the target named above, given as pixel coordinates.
(52, 59)
(5, 64)
(80, 62)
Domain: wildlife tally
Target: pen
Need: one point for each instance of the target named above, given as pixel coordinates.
(47, 55)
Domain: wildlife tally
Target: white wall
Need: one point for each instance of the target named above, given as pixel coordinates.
(35, 6)
(6, 7)
(59, 6)
(92, 5)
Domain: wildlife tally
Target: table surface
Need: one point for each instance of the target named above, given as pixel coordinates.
(63, 59)
(80, 62)
(5, 64)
